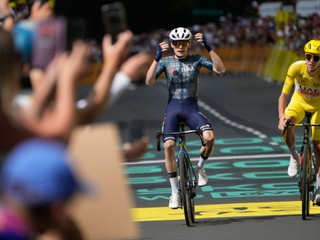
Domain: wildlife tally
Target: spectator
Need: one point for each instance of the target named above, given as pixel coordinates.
(54, 120)
(37, 183)
(54, 117)
(127, 74)
(7, 15)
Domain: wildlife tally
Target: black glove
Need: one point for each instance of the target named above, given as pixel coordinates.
(158, 55)
(205, 44)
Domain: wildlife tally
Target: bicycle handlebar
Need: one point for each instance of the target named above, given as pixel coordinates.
(198, 131)
(288, 123)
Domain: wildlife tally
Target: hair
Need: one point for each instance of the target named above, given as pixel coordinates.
(9, 70)
(44, 218)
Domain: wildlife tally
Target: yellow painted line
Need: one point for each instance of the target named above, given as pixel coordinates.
(256, 209)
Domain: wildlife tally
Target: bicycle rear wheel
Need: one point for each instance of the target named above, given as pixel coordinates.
(185, 193)
(305, 182)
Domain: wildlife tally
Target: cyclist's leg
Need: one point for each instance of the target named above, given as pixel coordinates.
(168, 125)
(197, 119)
(169, 151)
(170, 164)
(206, 151)
(296, 113)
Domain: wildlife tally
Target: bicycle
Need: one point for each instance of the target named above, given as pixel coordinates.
(187, 179)
(307, 175)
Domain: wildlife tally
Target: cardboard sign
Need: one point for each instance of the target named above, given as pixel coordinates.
(106, 212)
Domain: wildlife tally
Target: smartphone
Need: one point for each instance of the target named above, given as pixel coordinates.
(114, 18)
(50, 39)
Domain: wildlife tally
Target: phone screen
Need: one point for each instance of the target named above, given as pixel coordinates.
(114, 18)
(51, 38)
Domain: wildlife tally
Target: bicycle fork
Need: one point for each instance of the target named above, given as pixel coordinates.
(193, 183)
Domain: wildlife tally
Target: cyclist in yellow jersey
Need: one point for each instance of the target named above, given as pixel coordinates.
(304, 76)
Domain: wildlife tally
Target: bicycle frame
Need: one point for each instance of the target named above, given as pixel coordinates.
(187, 179)
(306, 176)
(183, 150)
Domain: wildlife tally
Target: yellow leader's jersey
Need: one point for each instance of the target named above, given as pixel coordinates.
(306, 95)
(307, 88)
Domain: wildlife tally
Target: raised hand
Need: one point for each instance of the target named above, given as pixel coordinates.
(162, 47)
(202, 39)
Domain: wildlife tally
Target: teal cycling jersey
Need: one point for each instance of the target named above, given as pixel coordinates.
(183, 74)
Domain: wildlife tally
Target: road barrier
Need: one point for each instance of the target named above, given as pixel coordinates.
(270, 63)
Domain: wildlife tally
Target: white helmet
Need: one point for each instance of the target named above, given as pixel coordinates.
(180, 33)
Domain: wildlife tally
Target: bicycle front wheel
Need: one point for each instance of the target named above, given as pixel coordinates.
(192, 185)
(185, 193)
(305, 182)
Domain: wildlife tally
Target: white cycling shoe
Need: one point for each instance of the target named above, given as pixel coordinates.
(175, 201)
(293, 167)
(202, 177)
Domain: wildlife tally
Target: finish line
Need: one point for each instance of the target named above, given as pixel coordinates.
(256, 209)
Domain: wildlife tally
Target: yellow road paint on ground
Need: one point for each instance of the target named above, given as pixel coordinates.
(256, 209)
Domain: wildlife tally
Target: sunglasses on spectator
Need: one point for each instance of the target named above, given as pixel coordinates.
(181, 43)
(315, 58)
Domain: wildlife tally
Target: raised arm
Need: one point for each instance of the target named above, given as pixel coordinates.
(113, 56)
(132, 71)
(218, 65)
(151, 74)
(52, 113)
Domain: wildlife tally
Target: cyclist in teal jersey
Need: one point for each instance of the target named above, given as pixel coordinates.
(182, 74)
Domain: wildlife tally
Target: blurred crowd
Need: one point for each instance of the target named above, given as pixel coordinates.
(37, 176)
(291, 33)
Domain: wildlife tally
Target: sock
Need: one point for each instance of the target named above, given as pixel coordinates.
(174, 185)
(201, 162)
(173, 182)
(294, 153)
(318, 180)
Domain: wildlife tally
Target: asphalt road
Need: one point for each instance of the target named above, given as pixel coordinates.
(249, 195)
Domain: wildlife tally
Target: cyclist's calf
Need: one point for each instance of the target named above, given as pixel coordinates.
(169, 151)
(208, 137)
(169, 145)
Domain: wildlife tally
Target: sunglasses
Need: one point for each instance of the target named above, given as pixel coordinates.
(315, 58)
(180, 43)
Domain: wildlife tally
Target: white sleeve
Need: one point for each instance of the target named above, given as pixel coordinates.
(120, 83)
